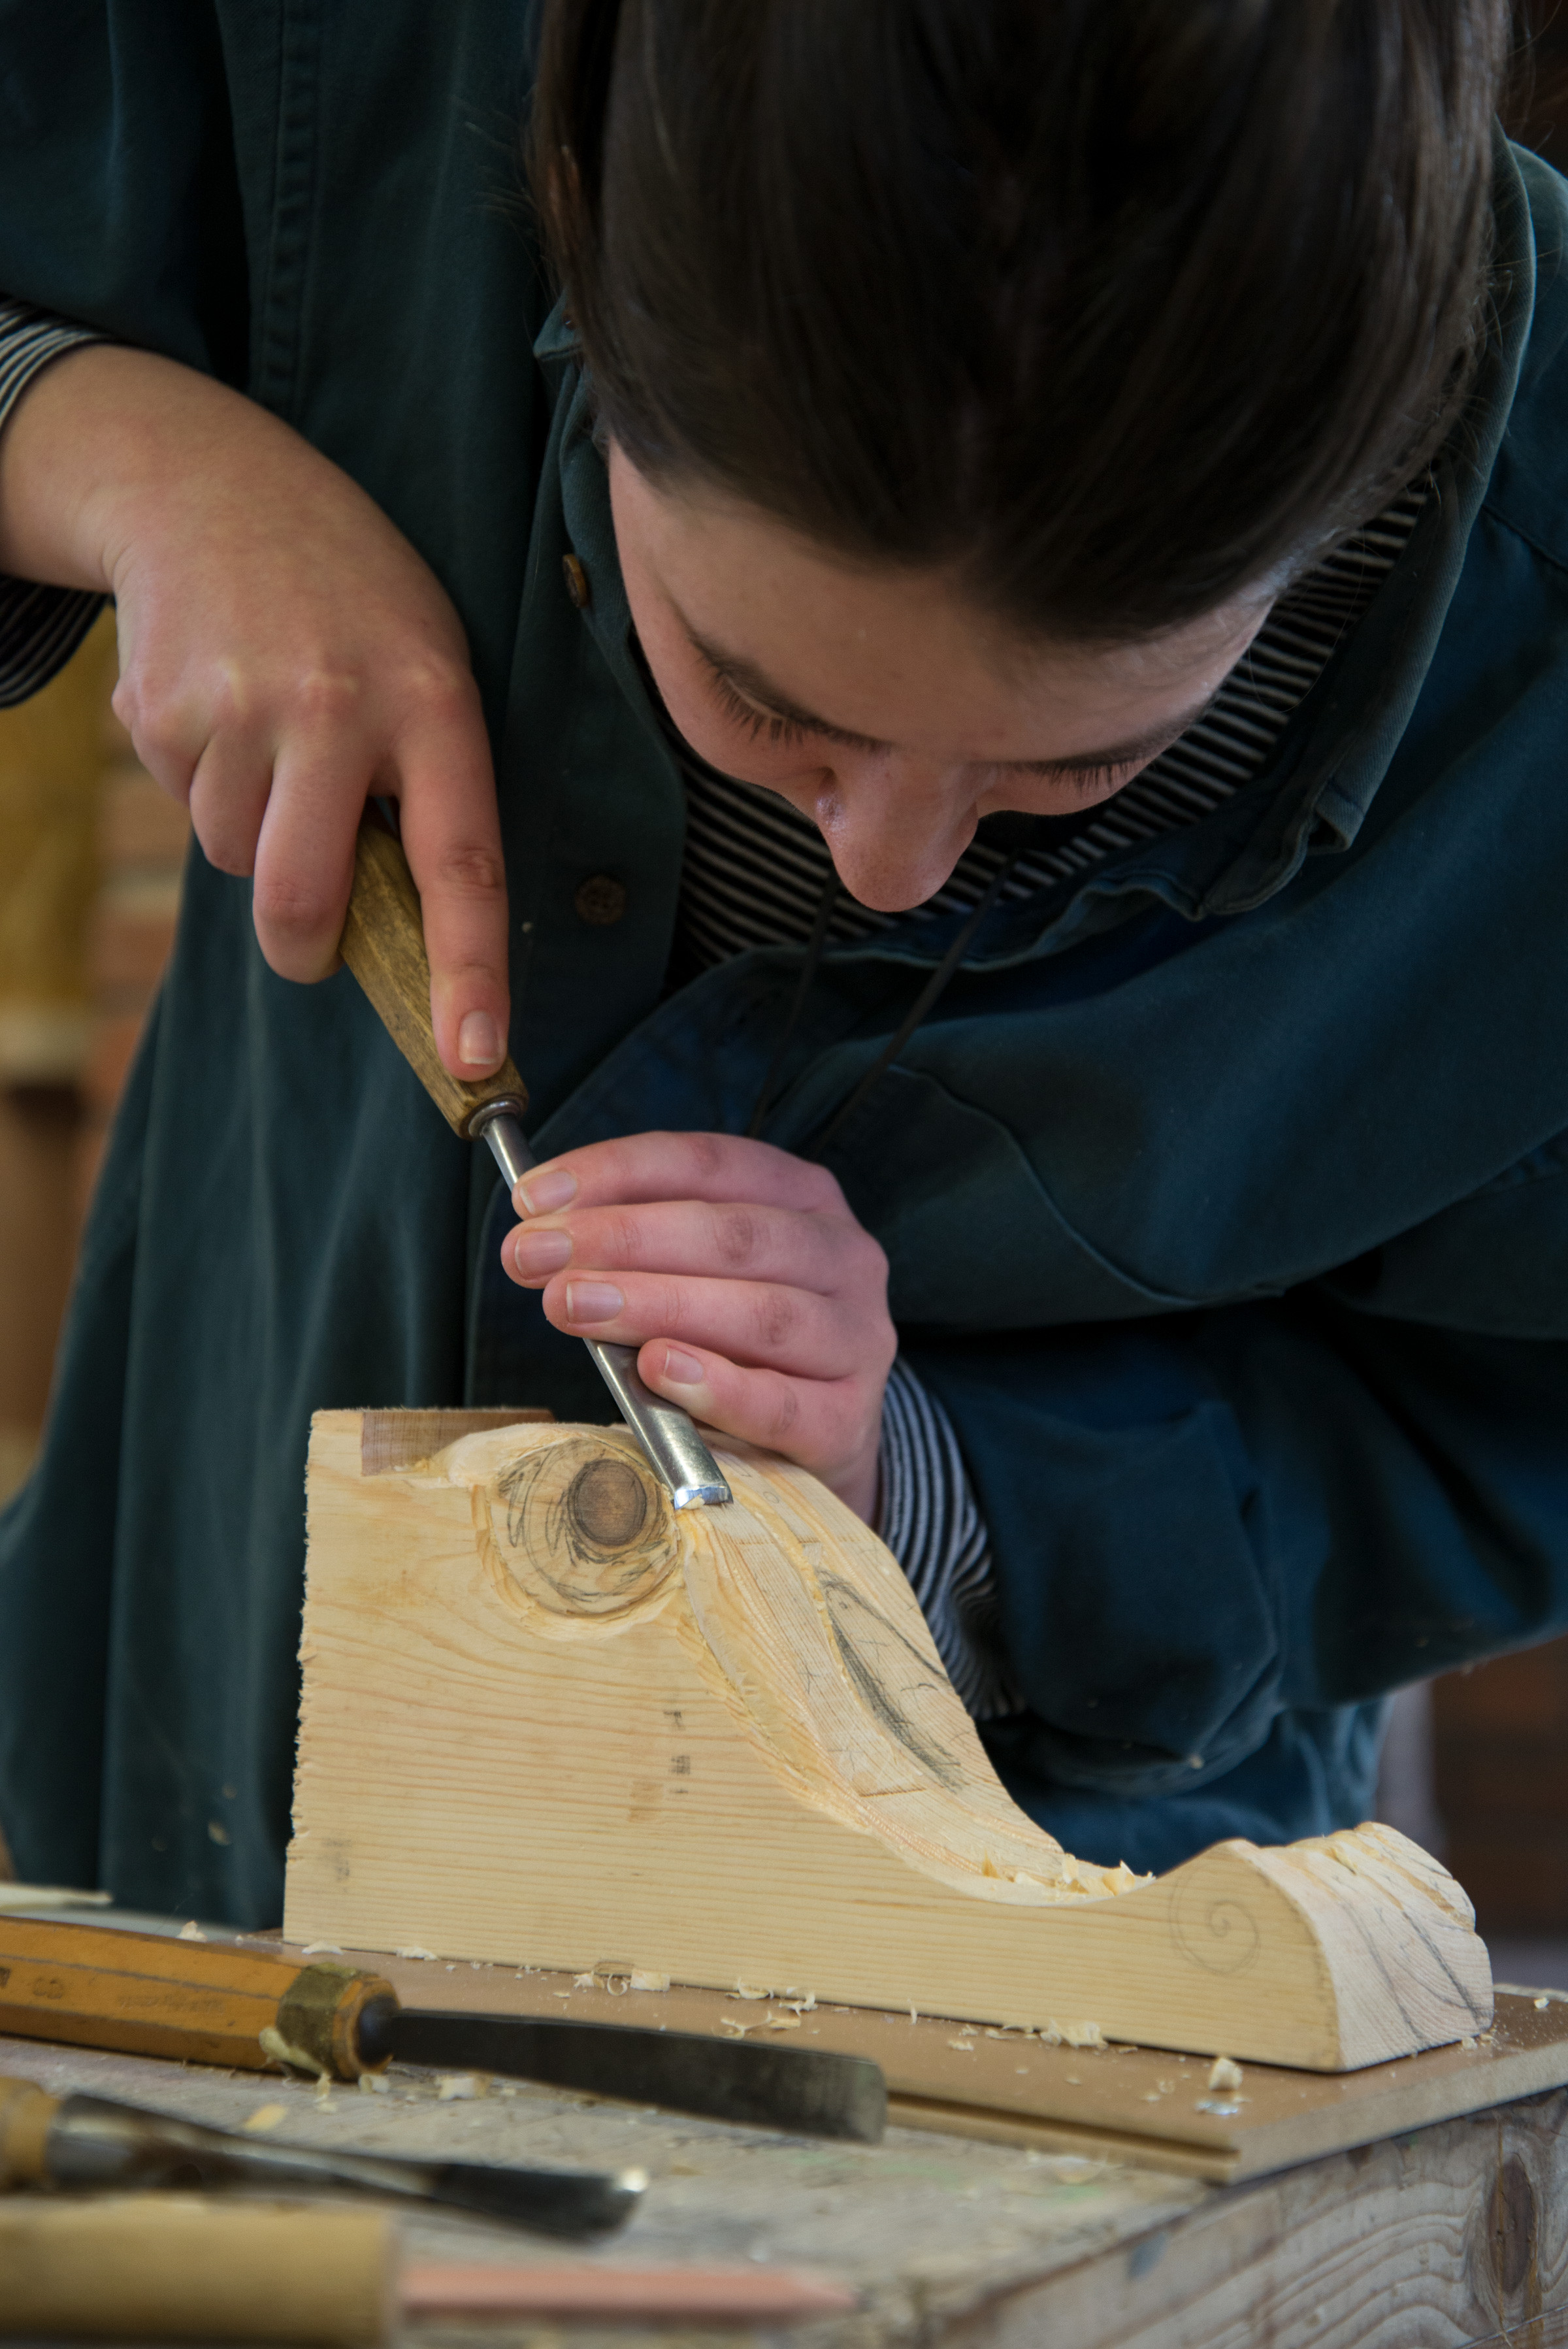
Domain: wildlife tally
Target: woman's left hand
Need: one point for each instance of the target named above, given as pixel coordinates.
(758, 1303)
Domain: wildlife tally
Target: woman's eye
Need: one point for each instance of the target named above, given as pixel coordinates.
(759, 725)
(1088, 781)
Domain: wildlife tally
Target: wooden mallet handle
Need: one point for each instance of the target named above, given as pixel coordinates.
(382, 944)
(25, 2113)
(179, 2267)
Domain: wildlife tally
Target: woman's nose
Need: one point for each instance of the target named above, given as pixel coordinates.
(895, 832)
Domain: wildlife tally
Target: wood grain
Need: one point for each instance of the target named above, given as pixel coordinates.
(1457, 2235)
(725, 1750)
(382, 944)
(179, 2267)
(403, 1439)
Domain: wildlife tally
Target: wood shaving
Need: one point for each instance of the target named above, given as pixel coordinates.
(265, 2117)
(639, 1980)
(1071, 2034)
(458, 2087)
(295, 2059)
(965, 2046)
(1224, 2074)
(322, 1950)
(744, 1990)
(783, 2022)
(191, 1931)
(414, 1951)
(375, 2084)
(728, 2022)
(584, 1981)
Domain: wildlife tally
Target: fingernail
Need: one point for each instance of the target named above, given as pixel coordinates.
(593, 1301)
(537, 1254)
(542, 1194)
(478, 1041)
(682, 1370)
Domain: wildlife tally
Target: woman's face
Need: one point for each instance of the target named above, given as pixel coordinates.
(882, 703)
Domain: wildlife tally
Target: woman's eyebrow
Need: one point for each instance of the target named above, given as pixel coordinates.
(758, 687)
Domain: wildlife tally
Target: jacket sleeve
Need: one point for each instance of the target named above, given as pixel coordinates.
(1202, 1521)
(119, 200)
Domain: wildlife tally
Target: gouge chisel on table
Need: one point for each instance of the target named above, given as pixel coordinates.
(212, 2002)
(84, 2140)
(382, 944)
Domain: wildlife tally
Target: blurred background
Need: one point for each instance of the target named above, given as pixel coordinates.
(91, 854)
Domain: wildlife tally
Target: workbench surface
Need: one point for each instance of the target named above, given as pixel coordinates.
(1456, 2233)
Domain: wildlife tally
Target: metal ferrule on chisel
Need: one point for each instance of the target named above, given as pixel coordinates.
(676, 1453)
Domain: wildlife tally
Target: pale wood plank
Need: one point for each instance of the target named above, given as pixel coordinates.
(722, 1748)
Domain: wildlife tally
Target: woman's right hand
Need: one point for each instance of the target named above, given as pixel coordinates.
(284, 655)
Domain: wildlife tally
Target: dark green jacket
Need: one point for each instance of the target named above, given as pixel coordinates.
(1226, 1193)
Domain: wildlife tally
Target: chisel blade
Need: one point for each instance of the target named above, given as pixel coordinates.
(806, 2091)
(96, 2141)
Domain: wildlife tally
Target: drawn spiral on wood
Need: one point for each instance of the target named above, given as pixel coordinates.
(583, 1527)
(1220, 1935)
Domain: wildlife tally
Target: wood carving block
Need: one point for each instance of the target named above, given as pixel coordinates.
(549, 1720)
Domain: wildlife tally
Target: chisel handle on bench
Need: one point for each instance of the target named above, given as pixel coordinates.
(194, 2001)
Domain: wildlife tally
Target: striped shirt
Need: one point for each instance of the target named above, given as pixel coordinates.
(40, 627)
(753, 873)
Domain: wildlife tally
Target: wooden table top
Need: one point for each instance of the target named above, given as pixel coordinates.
(1453, 2233)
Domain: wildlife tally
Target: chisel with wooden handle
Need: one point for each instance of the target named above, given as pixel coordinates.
(382, 944)
(211, 2002)
(180, 2267)
(86, 2140)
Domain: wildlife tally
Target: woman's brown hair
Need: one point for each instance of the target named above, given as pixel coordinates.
(1118, 307)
